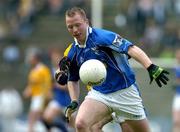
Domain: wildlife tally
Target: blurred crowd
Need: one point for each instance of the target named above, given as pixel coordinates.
(18, 20)
(19, 16)
(153, 23)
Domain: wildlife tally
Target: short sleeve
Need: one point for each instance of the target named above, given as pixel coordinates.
(120, 44)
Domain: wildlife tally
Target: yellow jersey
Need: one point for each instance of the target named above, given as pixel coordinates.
(40, 80)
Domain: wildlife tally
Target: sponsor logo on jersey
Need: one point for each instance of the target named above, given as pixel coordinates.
(118, 41)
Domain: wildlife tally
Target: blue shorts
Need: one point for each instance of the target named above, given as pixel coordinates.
(61, 96)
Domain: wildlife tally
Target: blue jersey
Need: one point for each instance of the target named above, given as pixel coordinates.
(177, 73)
(109, 48)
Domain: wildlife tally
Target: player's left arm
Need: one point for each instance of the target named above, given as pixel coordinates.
(155, 72)
(139, 55)
(121, 45)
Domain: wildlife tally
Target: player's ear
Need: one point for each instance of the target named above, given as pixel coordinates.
(87, 21)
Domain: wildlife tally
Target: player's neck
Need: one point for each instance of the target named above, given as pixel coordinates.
(81, 43)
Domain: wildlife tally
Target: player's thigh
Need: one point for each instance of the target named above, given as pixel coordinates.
(125, 127)
(105, 120)
(91, 111)
(51, 111)
(139, 125)
(102, 122)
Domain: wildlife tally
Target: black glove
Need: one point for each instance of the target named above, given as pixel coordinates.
(61, 74)
(158, 74)
(64, 64)
(71, 108)
(61, 77)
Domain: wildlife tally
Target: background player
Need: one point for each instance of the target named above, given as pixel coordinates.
(54, 113)
(38, 86)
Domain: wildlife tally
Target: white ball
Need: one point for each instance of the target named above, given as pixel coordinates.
(92, 72)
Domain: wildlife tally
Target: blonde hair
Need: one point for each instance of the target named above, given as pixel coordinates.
(76, 10)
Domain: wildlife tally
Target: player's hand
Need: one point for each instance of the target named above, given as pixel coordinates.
(61, 74)
(71, 108)
(64, 64)
(61, 77)
(27, 92)
(158, 74)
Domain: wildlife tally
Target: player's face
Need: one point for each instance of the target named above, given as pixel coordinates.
(77, 27)
(32, 60)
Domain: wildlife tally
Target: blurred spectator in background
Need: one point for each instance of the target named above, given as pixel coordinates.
(38, 87)
(152, 36)
(176, 7)
(159, 12)
(54, 113)
(19, 15)
(55, 6)
(26, 13)
(153, 33)
(3, 30)
(170, 36)
(9, 9)
(144, 11)
(11, 55)
(176, 100)
(140, 12)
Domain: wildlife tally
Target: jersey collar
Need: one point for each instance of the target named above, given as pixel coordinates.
(88, 31)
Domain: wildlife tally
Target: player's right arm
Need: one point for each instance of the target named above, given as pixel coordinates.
(27, 92)
(61, 74)
(74, 91)
(73, 88)
(69, 66)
